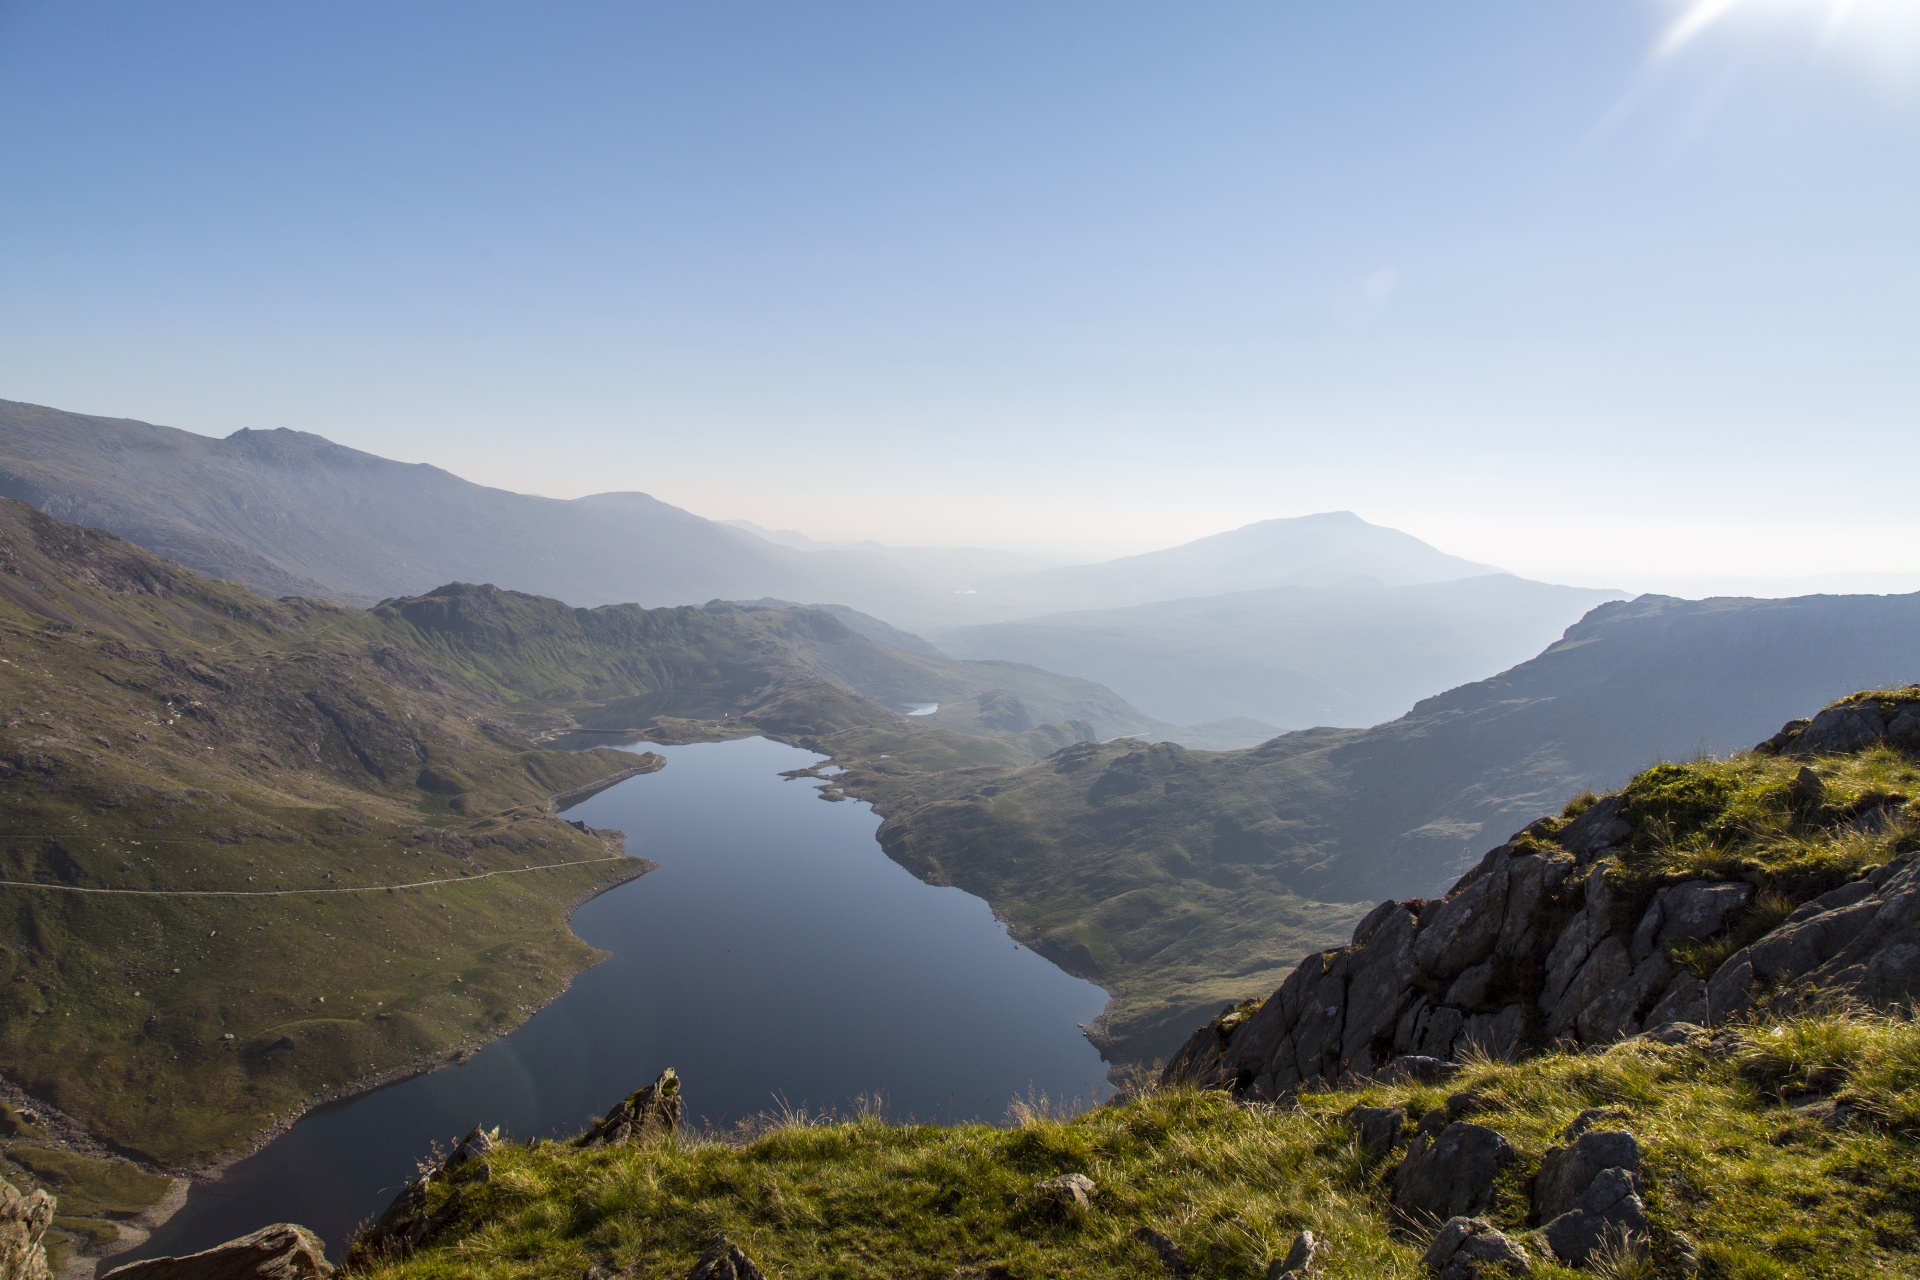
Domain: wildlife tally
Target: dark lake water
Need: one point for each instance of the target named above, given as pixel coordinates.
(776, 957)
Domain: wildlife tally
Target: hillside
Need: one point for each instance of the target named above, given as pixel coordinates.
(1293, 657)
(1181, 879)
(171, 734)
(1707, 1065)
(289, 513)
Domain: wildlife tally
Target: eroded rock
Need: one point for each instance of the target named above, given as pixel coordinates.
(725, 1260)
(1379, 1129)
(1608, 1213)
(1069, 1190)
(1450, 1174)
(1566, 1172)
(24, 1219)
(284, 1251)
(650, 1113)
(1466, 1247)
(1306, 1247)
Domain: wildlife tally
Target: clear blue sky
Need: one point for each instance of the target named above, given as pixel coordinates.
(1573, 287)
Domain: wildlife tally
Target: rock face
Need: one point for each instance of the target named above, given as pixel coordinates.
(1862, 938)
(653, 1112)
(280, 1252)
(1539, 945)
(23, 1223)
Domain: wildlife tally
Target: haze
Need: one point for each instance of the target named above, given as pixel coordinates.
(1604, 292)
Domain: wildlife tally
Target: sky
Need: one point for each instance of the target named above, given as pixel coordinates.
(1614, 292)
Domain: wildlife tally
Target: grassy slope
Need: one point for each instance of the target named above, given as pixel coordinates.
(1732, 1165)
(167, 732)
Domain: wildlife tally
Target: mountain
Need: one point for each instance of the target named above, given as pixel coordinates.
(1179, 879)
(1319, 550)
(289, 513)
(1293, 657)
(173, 738)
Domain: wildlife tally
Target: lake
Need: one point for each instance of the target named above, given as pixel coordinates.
(776, 959)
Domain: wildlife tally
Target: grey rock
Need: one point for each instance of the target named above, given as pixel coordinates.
(1685, 1000)
(1306, 1246)
(1673, 1033)
(725, 1260)
(1421, 1069)
(1460, 930)
(1687, 911)
(1838, 730)
(1534, 883)
(283, 1251)
(1451, 1175)
(1497, 1035)
(1607, 967)
(1378, 1128)
(24, 1220)
(1598, 829)
(1466, 1247)
(649, 1113)
(1471, 987)
(1608, 1213)
(1568, 1171)
(1615, 1012)
(1069, 1190)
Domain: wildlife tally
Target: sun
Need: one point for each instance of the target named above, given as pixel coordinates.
(1878, 27)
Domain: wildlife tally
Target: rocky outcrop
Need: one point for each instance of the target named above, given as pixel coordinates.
(406, 1223)
(1467, 1248)
(1862, 939)
(725, 1260)
(23, 1223)
(1547, 943)
(1299, 1259)
(652, 1112)
(1070, 1191)
(1587, 1194)
(1852, 725)
(283, 1251)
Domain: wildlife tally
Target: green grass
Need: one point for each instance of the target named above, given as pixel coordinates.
(1760, 1189)
(1743, 818)
(89, 1185)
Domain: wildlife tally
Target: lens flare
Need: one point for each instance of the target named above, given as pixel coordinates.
(1885, 30)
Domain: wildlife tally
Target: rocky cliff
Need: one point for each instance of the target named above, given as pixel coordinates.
(1784, 877)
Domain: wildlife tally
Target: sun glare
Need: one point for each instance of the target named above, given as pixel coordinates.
(1883, 29)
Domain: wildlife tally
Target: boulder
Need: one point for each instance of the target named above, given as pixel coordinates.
(23, 1225)
(1378, 1128)
(1450, 1174)
(1609, 1213)
(1069, 1190)
(724, 1260)
(1466, 1247)
(1566, 1172)
(650, 1113)
(283, 1251)
(1684, 912)
(1299, 1258)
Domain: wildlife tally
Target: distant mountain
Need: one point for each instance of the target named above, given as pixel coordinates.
(288, 513)
(1293, 657)
(1178, 879)
(948, 570)
(1329, 549)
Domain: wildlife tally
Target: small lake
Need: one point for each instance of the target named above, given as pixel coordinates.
(777, 957)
